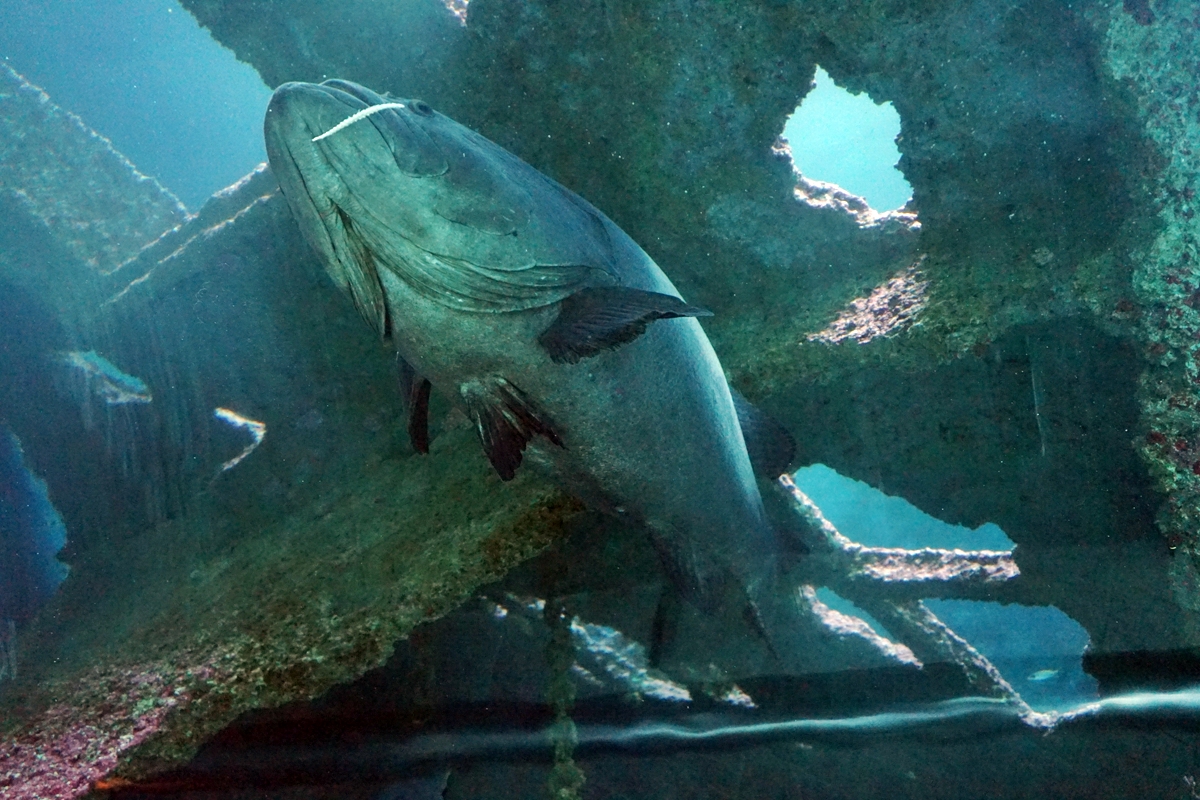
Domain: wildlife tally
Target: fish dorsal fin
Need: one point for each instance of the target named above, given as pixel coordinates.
(505, 420)
(770, 446)
(602, 318)
(414, 391)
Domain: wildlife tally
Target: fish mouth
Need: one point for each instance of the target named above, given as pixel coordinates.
(335, 174)
(301, 117)
(406, 190)
(344, 170)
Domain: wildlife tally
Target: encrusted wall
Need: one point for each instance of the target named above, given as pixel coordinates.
(1154, 54)
(94, 203)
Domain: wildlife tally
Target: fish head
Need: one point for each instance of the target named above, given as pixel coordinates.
(329, 182)
(404, 157)
(439, 204)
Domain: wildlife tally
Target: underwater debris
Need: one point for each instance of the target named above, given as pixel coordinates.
(256, 429)
(105, 380)
(890, 309)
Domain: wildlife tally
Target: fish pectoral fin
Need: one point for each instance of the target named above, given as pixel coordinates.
(414, 390)
(506, 420)
(356, 271)
(605, 317)
(770, 446)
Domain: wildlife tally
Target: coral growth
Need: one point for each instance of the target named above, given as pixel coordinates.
(1161, 62)
(77, 743)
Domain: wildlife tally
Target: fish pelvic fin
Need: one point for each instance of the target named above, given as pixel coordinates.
(414, 391)
(506, 420)
(602, 318)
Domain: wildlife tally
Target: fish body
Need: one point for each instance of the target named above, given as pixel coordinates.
(535, 314)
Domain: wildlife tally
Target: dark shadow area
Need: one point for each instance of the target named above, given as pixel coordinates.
(1144, 670)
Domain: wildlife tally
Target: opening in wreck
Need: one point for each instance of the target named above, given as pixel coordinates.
(848, 140)
(1038, 649)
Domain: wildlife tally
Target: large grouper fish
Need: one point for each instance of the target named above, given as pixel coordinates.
(554, 332)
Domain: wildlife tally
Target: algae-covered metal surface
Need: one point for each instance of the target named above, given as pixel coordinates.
(95, 203)
(1016, 347)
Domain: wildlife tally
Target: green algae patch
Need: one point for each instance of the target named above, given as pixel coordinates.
(1158, 63)
(284, 612)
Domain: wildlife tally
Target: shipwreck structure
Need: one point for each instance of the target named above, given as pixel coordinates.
(225, 440)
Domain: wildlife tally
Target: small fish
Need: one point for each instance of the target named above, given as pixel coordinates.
(1043, 675)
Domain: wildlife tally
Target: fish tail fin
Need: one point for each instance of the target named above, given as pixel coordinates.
(774, 611)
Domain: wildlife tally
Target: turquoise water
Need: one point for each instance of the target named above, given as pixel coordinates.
(144, 74)
(849, 140)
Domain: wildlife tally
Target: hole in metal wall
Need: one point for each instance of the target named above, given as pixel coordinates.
(1038, 649)
(848, 140)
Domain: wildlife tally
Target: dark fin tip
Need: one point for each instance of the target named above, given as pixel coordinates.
(506, 421)
(414, 391)
(754, 619)
(605, 317)
(418, 416)
(770, 445)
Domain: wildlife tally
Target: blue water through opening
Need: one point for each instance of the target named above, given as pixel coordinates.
(848, 139)
(1038, 649)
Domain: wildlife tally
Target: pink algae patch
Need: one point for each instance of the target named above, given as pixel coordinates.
(62, 751)
(890, 309)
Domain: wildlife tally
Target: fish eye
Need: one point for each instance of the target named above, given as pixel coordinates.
(421, 107)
